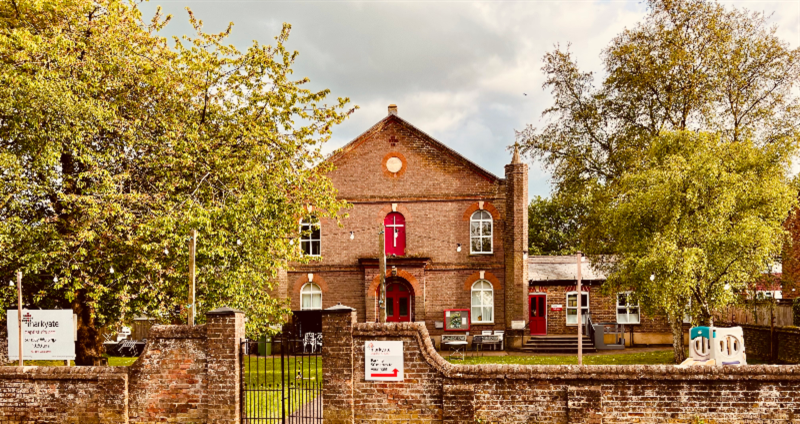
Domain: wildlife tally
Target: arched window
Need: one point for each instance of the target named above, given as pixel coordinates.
(480, 232)
(310, 237)
(310, 297)
(482, 302)
(395, 240)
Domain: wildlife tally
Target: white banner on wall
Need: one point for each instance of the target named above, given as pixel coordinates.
(47, 334)
(383, 361)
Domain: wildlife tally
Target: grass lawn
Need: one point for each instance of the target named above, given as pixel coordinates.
(302, 378)
(663, 357)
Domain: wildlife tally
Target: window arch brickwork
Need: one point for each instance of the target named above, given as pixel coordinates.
(487, 206)
(488, 276)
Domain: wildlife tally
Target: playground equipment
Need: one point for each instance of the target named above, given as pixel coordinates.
(716, 346)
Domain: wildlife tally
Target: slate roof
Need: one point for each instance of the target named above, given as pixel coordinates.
(560, 269)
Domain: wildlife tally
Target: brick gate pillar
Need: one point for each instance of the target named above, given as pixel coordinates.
(224, 332)
(337, 364)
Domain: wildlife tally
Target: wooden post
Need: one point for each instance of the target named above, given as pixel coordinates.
(382, 271)
(192, 247)
(580, 321)
(19, 314)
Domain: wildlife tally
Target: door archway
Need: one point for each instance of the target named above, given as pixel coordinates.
(399, 300)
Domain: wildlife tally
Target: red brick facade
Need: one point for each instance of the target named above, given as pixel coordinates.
(436, 190)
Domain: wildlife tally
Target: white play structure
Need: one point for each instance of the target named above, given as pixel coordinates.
(715, 346)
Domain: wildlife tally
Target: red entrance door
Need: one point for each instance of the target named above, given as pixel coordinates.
(538, 314)
(398, 303)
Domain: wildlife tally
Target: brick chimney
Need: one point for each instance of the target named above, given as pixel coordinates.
(516, 240)
(393, 109)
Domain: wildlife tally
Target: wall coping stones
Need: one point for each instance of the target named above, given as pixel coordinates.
(571, 372)
(177, 332)
(224, 311)
(63, 373)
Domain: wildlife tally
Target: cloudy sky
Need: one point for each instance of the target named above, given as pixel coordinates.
(456, 69)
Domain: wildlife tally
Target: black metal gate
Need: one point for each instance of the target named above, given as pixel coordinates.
(282, 375)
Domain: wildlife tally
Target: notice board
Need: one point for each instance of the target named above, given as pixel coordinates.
(47, 334)
(383, 361)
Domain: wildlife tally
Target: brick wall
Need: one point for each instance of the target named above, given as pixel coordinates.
(435, 390)
(63, 395)
(185, 375)
(757, 342)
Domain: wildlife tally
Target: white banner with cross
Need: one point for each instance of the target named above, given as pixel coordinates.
(47, 334)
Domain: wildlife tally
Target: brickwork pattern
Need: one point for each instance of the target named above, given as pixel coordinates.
(185, 375)
(757, 342)
(437, 391)
(337, 357)
(74, 395)
(169, 378)
(602, 309)
(433, 191)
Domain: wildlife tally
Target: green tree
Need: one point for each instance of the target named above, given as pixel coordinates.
(115, 143)
(689, 65)
(695, 225)
(553, 226)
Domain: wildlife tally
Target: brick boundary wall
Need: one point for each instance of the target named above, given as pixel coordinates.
(435, 390)
(757, 341)
(185, 375)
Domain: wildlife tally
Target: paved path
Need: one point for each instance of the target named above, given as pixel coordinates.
(310, 413)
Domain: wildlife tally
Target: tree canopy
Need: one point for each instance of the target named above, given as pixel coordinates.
(636, 152)
(693, 227)
(689, 65)
(553, 226)
(116, 142)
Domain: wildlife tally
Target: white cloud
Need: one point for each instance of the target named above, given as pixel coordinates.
(456, 70)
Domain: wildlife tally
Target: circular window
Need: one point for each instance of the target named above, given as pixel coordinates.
(394, 164)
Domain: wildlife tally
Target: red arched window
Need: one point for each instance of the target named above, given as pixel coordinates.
(395, 240)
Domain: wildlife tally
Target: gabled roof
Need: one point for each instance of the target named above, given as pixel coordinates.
(340, 153)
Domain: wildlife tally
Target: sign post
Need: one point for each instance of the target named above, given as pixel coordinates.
(580, 320)
(383, 361)
(19, 313)
(382, 271)
(192, 247)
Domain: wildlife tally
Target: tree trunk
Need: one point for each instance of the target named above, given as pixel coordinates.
(677, 339)
(89, 347)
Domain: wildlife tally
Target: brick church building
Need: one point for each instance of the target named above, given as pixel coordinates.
(456, 241)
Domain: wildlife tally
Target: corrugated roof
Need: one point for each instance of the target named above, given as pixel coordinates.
(560, 268)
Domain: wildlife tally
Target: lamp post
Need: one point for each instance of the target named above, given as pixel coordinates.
(19, 314)
(580, 321)
(382, 271)
(192, 247)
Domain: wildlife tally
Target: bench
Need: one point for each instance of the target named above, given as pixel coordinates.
(456, 342)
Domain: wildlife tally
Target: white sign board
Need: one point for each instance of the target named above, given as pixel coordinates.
(517, 325)
(47, 334)
(383, 361)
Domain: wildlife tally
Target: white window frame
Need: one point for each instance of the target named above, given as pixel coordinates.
(627, 307)
(584, 308)
(474, 316)
(308, 289)
(307, 226)
(480, 221)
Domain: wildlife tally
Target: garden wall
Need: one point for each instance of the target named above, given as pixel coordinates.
(435, 390)
(185, 375)
(757, 342)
